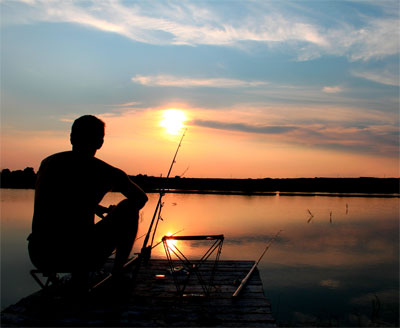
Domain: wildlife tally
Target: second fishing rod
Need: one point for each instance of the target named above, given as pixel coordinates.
(145, 252)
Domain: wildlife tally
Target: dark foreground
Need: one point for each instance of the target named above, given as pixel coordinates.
(153, 302)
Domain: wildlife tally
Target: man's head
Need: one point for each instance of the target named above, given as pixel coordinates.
(87, 134)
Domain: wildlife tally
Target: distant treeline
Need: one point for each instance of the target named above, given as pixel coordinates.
(20, 179)
(26, 179)
(248, 186)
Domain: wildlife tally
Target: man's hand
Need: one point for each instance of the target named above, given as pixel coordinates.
(101, 210)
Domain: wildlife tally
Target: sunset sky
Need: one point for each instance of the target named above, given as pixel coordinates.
(265, 88)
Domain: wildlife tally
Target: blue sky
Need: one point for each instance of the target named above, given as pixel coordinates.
(317, 77)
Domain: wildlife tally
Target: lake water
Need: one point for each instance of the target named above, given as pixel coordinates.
(339, 267)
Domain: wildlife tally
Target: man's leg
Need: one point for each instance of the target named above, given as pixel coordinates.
(118, 230)
(60, 257)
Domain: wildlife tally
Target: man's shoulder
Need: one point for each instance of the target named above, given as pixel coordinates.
(62, 154)
(107, 168)
(57, 156)
(70, 155)
(103, 164)
(70, 160)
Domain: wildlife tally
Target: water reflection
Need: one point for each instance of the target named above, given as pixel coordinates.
(16, 217)
(340, 268)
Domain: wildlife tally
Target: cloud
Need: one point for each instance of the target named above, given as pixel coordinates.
(203, 23)
(335, 89)
(371, 138)
(267, 129)
(378, 39)
(386, 77)
(128, 104)
(173, 81)
(375, 39)
(349, 130)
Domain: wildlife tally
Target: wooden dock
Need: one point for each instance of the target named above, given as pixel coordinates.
(154, 302)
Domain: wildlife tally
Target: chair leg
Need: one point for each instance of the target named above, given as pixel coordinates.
(52, 278)
(34, 275)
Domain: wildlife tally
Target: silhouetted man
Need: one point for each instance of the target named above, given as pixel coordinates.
(69, 188)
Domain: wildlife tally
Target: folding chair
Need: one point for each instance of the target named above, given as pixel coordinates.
(55, 278)
(52, 278)
(182, 275)
(97, 277)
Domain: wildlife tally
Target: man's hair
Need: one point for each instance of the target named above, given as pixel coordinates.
(87, 131)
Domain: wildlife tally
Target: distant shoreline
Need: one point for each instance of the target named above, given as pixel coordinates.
(249, 194)
(278, 193)
(389, 187)
(319, 186)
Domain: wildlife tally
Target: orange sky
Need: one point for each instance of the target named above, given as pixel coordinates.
(136, 142)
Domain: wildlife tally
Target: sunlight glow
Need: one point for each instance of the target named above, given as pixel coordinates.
(171, 242)
(173, 121)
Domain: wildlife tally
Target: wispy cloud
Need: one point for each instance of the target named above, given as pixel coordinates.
(379, 38)
(174, 81)
(203, 23)
(333, 89)
(348, 130)
(128, 104)
(264, 129)
(382, 76)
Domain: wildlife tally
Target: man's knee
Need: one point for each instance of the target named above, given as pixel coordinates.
(126, 211)
(127, 206)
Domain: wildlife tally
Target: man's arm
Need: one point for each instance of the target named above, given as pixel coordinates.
(101, 210)
(131, 190)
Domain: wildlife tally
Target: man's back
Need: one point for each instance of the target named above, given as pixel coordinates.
(68, 189)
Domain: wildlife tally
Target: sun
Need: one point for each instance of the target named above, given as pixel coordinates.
(173, 120)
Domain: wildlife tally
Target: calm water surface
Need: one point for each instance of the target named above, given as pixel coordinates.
(339, 267)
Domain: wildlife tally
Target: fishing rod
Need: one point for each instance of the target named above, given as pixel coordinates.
(244, 281)
(127, 263)
(154, 246)
(146, 250)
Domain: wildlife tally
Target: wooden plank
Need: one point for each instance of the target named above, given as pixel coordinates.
(216, 289)
(154, 303)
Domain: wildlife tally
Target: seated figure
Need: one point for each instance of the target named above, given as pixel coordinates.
(70, 185)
